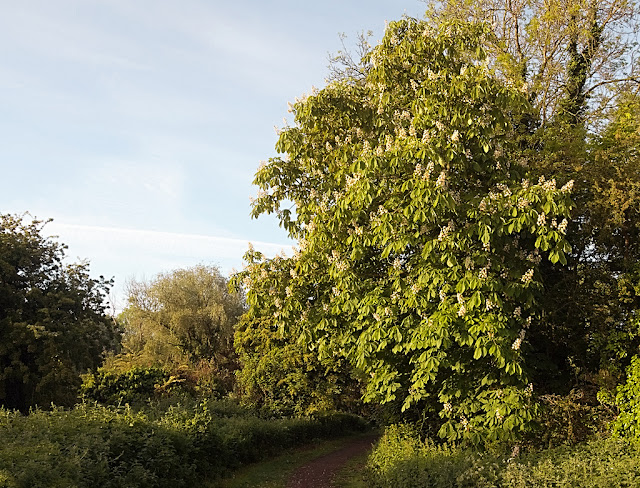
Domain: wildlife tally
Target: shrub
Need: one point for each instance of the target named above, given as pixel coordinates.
(132, 386)
(628, 401)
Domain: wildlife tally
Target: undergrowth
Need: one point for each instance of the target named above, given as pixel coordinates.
(402, 460)
(167, 445)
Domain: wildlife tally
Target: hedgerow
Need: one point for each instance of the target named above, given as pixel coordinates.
(171, 446)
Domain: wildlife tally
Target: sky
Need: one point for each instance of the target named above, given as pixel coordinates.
(137, 126)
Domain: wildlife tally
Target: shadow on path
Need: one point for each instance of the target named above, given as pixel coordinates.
(319, 472)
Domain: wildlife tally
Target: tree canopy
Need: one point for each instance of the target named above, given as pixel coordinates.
(53, 321)
(183, 316)
(421, 236)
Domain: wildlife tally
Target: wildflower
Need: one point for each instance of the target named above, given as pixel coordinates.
(442, 295)
(484, 272)
(397, 264)
(448, 407)
(462, 311)
(542, 219)
(328, 146)
(517, 311)
(415, 288)
(516, 344)
(455, 136)
(439, 125)
(442, 180)
(376, 317)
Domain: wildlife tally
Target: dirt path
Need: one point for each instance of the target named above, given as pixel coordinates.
(319, 472)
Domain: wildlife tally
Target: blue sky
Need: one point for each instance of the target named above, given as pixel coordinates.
(138, 125)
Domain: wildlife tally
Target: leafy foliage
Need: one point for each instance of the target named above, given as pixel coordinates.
(157, 447)
(402, 460)
(285, 377)
(577, 64)
(53, 323)
(133, 386)
(628, 402)
(185, 317)
(420, 236)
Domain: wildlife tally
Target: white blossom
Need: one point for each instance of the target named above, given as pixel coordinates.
(527, 277)
(562, 228)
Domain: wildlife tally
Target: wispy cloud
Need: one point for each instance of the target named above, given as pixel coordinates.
(141, 254)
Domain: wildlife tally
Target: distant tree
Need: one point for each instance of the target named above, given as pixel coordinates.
(53, 322)
(182, 317)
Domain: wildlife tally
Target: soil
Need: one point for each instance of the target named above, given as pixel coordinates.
(319, 472)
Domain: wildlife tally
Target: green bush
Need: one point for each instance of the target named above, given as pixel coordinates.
(402, 460)
(118, 388)
(628, 402)
(167, 445)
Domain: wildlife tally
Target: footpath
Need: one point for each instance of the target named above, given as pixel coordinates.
(319, 472)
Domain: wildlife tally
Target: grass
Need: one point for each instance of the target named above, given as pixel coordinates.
(275, 472)
(353, 474)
